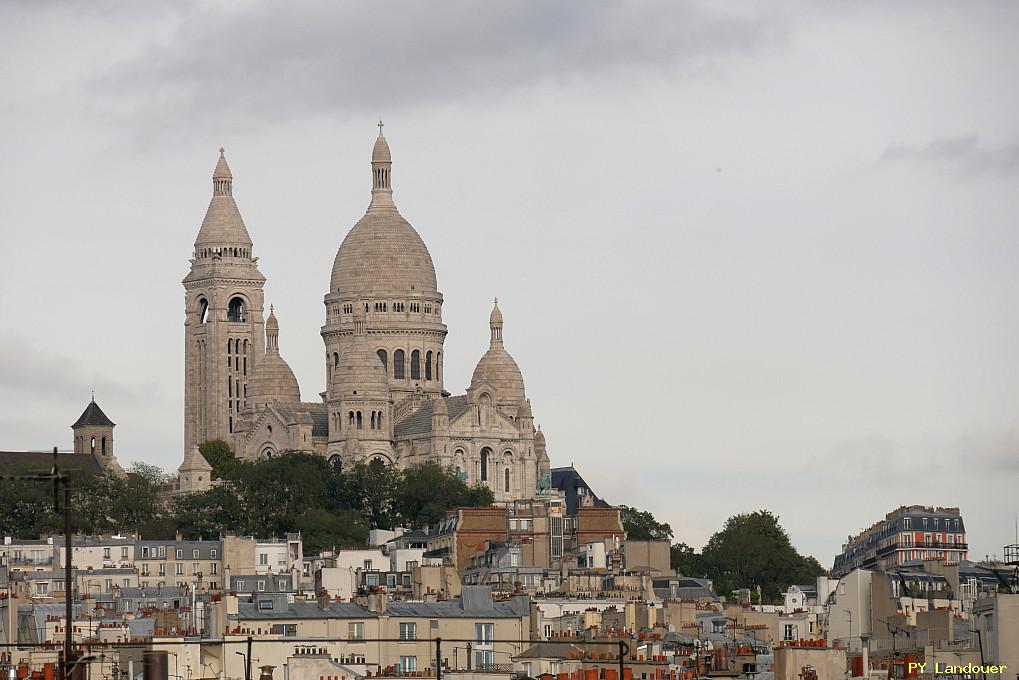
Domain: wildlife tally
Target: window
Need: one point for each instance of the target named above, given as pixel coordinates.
(408, 665)
(415, 365)
(162, 551)
(905, 523)
(398, 364)
(408, 631)
(261, 586)
(180, 569)
(484, 655)
(355, 630)
(109, 584)
(145, 552)
(145, 568)
(367, 565)
(180, 553)
(123, 553)
(428, 366)
(42, 588)
(162, 568)
(203, 310)
(924, 523)
(506, 484)
(263, 559)
(195, 567)
(384, 358)
(789, 632)
(264, 604)
(106, 553)
(485, 453)
(285, 629)
(213, 568)
(212, 554)
(235, 312)
(391, 580)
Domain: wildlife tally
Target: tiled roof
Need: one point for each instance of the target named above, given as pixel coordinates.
(420, 421)
(568, 480)
(29, 462)
(93, 415)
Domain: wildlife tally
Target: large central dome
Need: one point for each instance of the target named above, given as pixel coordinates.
(382, 253)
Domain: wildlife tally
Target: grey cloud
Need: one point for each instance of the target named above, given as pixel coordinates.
(964, 154)
(273, 60)
(26, 370)
(987, 453)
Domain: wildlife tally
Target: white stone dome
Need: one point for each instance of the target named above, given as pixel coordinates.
(273, 381)
(382, 253)
(497, 367)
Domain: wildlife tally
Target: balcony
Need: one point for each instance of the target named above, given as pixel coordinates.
(31, 561)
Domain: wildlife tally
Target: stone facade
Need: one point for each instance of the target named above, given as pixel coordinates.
(383, 336)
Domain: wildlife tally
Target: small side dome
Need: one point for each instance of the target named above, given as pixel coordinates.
(273, 382)
(497, 367)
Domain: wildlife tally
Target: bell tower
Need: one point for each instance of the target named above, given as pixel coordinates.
(223, 324)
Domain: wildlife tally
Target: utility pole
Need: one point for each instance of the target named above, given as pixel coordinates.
(56, 476)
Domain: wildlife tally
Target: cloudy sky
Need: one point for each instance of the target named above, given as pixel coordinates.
(750, 255)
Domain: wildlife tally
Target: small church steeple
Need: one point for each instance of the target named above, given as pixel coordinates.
(93, 435)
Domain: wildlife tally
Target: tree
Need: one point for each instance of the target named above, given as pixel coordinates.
(642, 526)
(428, 491)
(370, 488)
(752, 550)
(219, 455)
(686, 561)
(211, 513)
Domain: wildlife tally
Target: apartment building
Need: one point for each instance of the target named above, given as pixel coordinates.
(915, 532)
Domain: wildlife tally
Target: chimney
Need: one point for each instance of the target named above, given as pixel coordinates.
(323, 599)
(266, 672)
(377, 602)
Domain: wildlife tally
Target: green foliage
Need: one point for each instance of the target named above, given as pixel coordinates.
(219, 455)
(295, 491)
(428, 491)
(642, 526)
(751, 550)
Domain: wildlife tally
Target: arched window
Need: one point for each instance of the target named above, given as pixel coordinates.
(235, 312)
(506, 481)
(93, 445)
(384, 358)
(415, 365)
(336, 359)
(428, 366)
(485, 453)
(203, 310)
(378, 420)
(360, 423)
(438, 366)
(373, 420)
(103, 449)
(351, 419)
(398, 364)
(337, 462)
